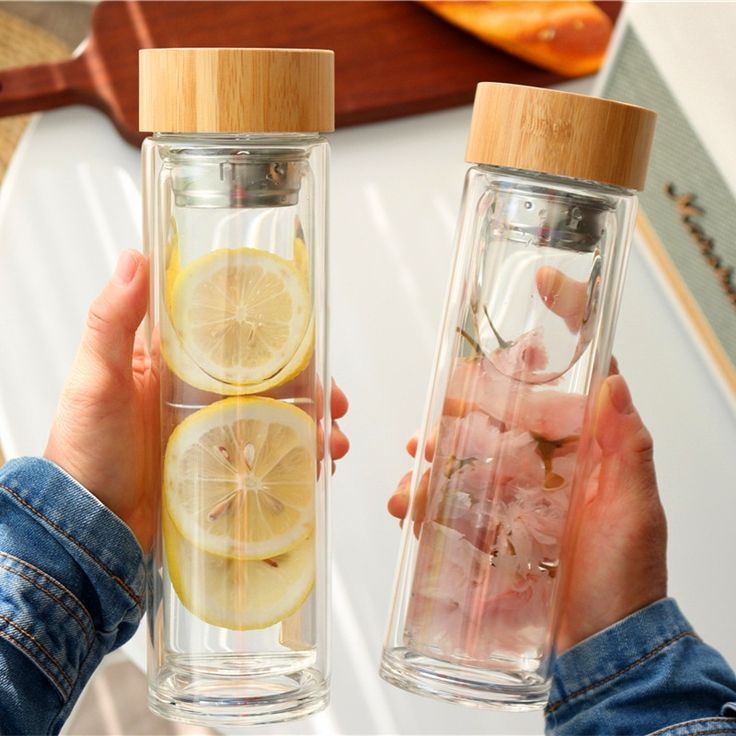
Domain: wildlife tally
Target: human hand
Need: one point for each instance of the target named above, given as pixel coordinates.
(99, 432)
(102, 434)
(614, 561)
(617, 549)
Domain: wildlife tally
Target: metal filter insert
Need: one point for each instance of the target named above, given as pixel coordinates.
(266, 178)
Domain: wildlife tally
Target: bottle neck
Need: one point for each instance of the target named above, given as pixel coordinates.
(220, 140)
(544, 209)
(236, 170)
(542, 179)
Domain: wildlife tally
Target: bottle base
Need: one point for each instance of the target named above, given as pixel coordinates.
(510, 689)
(222, 696)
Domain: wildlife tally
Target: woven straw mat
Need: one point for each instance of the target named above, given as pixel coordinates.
(22, 44)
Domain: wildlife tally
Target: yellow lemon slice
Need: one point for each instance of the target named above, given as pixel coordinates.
(172, 266)
(188, 371)
(301, 258)
(238, 594)
(239, 477)
(241, 314)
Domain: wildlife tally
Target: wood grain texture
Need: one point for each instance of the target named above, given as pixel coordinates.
(216, 90)
(561, 133)
(391, 58)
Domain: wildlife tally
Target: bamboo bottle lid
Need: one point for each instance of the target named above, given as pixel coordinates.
(561, 133)
(218, 90)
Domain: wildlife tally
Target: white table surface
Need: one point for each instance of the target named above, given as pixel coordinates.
(70, 203)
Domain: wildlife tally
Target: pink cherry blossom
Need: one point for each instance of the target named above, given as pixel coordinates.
(500, 484)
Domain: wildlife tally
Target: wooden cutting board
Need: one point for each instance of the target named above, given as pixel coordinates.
(392, 58)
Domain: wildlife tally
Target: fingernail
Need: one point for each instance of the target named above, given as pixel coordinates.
(620, 395)
(127, 267)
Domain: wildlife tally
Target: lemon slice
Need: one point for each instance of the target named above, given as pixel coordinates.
(188, 371)
(300, 252)
(172, 267)
(241, 313)
(238, 594)
(301, 258)
(239, 477)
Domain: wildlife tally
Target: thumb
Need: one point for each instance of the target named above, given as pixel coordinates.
(627, 451)
(114, 316)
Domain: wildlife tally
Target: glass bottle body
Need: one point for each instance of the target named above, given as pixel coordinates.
(235, 229)
(505, 447)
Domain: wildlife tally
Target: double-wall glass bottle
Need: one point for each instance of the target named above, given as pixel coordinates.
(235, 183)
(506, 447)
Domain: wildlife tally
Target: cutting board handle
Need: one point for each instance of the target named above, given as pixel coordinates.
(45, 86)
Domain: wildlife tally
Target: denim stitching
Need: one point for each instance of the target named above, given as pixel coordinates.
(718, 719)
(39, 663)
(40, 646)
(55, 526)
(58, 584)
(80, 669)
(53, 598)
(552, 707)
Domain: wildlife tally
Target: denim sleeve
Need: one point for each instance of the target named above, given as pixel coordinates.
(71, 584)
(647, 674)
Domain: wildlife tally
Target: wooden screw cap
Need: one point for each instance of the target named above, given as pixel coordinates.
(216, 90)
(561, 133)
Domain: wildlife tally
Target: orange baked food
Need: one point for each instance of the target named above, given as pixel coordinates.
(569, 38)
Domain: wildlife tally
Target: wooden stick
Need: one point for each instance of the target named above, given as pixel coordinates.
(46, 86)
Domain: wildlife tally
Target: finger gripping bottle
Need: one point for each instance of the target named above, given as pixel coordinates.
(235, 183)
(545, 225)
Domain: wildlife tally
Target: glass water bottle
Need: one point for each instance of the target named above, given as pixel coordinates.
(235, 185)
(546, 221)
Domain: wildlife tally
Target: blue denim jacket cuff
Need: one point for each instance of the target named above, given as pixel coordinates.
(610, 653)
(72, 574)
